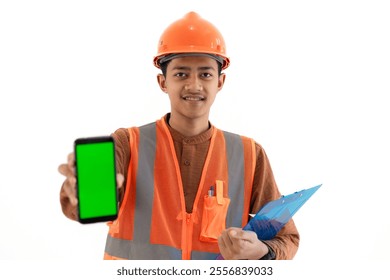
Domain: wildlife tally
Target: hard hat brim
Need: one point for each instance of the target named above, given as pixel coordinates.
(169, 57)
(158, 60)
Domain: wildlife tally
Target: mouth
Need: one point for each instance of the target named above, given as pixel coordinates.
(193, 97)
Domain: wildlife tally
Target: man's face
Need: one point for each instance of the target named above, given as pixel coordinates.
(192, 84)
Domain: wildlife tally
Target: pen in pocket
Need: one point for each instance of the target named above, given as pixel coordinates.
(211, 191)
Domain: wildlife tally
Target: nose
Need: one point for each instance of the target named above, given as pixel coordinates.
(193, 84)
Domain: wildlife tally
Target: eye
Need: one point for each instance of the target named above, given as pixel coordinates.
(206, 75)
(180, 75)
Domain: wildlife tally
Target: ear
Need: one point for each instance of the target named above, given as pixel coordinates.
(162, 82)
(221, 81)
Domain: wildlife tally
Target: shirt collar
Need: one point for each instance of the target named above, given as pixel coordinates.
(197, 139)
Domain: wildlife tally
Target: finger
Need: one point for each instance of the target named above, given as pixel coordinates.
(71, 162)
(71, 159)
(236, 240)
(242, 235)
(119, 180)
(223, 248)
(227, 244)
(240, 241)
(227, 238)
(65, 170)
(234, 234)
(70, 190)
(222, 240)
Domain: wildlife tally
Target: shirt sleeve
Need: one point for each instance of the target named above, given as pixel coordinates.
(286, 242)
(122, 156)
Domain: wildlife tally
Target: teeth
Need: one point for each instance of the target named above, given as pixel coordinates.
(193, 98)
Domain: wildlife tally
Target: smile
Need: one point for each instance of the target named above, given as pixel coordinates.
(193, 97)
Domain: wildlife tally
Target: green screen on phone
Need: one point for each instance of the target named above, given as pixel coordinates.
(96, 179)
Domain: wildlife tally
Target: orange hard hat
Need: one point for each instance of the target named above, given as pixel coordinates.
(191, 35)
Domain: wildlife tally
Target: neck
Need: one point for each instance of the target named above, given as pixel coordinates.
(189, 127)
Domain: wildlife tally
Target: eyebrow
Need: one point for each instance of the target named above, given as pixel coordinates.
(202, 68)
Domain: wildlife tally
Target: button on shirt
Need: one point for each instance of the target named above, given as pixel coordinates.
(191, 154)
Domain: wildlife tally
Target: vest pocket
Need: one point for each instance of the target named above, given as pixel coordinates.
(213, 218)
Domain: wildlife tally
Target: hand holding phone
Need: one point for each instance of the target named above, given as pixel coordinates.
(96, 179)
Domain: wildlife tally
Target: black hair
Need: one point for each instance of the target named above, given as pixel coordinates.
(164, 67)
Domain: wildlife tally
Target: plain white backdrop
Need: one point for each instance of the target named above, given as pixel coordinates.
(309, 80)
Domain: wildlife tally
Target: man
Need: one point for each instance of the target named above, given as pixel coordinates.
(187, 188)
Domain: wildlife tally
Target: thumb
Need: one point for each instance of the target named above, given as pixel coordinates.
(119, 180)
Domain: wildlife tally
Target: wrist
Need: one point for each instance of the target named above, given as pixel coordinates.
(270, 255)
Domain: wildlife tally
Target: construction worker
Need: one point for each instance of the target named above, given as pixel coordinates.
(187, 188)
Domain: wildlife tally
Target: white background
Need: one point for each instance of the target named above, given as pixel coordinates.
(309, 80)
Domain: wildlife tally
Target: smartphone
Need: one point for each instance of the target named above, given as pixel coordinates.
(96, 179)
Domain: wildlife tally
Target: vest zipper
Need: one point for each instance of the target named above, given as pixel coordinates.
(187, 238)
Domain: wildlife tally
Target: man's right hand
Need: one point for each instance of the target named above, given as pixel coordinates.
(69, 186)
(69, 201)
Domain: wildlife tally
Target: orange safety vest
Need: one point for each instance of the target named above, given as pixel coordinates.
(152, 222)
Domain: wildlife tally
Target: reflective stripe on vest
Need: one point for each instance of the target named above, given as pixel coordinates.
(235, 157)
(140, 247)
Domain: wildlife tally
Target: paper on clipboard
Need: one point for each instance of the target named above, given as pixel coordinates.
(275, 214)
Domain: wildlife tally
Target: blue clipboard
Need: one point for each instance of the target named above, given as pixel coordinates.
(275, 214)
(272, 217)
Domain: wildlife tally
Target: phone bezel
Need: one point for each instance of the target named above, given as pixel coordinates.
(93, 140)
